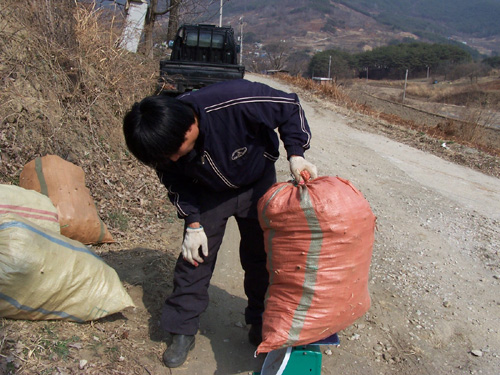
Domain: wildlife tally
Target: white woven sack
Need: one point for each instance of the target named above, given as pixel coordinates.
(44, 275)
(29, 204)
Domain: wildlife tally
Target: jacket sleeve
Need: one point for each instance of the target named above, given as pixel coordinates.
(183, 194)
(283, 111)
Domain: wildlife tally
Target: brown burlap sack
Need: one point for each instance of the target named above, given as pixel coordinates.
(64, 183)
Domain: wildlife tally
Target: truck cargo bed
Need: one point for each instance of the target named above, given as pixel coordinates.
(186, 76)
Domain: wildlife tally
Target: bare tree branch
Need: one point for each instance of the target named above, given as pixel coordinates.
(277, 53)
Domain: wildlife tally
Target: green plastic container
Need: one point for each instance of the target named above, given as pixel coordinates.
(303, 360)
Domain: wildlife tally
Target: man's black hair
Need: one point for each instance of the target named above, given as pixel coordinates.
(155, 128)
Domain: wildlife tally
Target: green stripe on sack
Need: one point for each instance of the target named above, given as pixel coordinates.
(102, 232)
(102, 227)
(41, 178)
(311, 268)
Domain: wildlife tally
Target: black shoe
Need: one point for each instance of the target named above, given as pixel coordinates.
(255, 334)
(177, 352)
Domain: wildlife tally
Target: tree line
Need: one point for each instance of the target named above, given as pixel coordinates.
(392, 62)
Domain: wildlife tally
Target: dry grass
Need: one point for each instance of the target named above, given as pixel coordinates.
(470, 130)
(330, 91)
(64, 88)
(64, 91)
(337, 95)
(478, 105)
(421, 90)
(485, 94)
(72, 71)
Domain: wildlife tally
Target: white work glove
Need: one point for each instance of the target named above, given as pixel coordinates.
(299, 164)
(194, 238)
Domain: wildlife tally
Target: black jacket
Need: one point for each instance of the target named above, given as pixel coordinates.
(237, 141)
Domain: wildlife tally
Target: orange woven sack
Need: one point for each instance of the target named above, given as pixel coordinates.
(319, 240)
(64, 183)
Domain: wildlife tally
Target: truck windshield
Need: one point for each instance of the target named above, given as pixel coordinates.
(205, 39)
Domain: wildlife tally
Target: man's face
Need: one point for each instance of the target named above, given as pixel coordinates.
(189, 142)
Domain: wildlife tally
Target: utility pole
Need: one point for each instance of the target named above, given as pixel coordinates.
(220, 17)
(329, 67)
(241, 40)
(404, 91)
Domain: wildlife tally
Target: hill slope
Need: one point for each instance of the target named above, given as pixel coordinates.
(444, 17)
(358, 24)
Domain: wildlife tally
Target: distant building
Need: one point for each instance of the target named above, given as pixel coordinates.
(322, 80)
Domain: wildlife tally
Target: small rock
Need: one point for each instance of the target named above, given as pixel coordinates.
(477, 353)
(239, 324)
(328, 352)
(83, 363)
(446, 304)
(496, 277)
(355, 336)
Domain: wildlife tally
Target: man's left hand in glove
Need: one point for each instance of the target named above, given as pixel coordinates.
(194, 239)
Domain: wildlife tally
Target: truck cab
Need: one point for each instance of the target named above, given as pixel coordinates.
(201, 55)
(204, 43)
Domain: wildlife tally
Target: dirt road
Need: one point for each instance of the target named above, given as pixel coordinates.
(435, 273)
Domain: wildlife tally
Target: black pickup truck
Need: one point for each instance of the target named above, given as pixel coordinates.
(201, 55)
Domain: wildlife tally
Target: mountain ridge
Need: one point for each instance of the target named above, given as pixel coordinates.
(358, 25)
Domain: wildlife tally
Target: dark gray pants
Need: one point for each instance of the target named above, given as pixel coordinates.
(182, 309)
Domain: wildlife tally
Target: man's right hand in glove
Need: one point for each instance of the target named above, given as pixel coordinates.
(193, 240)
(298, 164)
